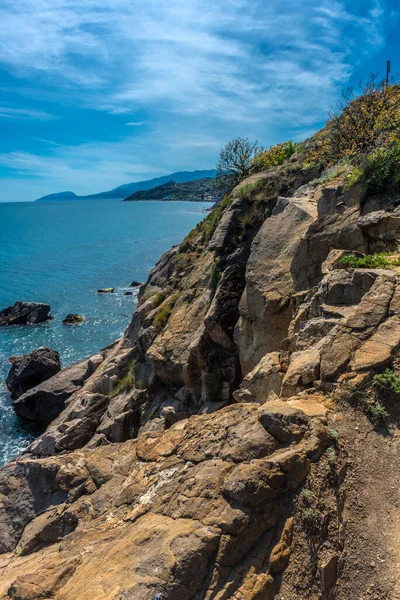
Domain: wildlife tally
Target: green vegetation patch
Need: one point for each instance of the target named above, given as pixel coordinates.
(273, 156)
(382, 171)
(126, 382)
(373, 396)
(388, 381)
(162, 316)
(380, 260)
(210, 223)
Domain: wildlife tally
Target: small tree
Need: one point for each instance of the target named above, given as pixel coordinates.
(235, 163)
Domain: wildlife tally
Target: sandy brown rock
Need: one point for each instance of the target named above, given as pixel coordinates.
(191, 504)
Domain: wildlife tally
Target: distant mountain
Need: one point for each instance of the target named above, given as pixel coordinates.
(196, 191)
(122, 191)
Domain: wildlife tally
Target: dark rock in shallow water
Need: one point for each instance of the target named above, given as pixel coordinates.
(44, 402)
(23, 313)
(136, 284)
(105, 290)
(31, 369)
(73, 319)
(128, 293)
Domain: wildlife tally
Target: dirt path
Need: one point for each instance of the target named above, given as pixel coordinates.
(372, 511)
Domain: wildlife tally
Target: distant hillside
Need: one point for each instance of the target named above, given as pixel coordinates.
(122, 191)
(195, 191)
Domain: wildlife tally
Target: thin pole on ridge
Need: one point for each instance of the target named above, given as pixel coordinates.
(387, 72)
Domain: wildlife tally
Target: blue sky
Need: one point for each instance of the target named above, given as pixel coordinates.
(97, 94)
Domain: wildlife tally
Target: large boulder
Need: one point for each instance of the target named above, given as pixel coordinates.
(46, 401)
(32, 369)
(25, 313)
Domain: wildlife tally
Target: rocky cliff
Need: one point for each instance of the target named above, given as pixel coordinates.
(240, 441)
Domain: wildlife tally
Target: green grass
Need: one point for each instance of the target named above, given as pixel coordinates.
(379, 260)
(124, 384)
(248, 190)
(161, 318)
(158, 299)
(210, 223)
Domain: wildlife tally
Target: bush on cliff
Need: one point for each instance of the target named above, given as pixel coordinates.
(361, 123)
(273, 156)
(382, 171)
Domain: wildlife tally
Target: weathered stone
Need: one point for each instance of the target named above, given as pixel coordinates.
(303, 370)
(380, 348)
(265, 307)
(264, 379)
(381, 225)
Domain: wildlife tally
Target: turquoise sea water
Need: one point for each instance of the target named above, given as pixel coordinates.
(61, 253)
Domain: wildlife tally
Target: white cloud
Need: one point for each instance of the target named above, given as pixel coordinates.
(136, 123)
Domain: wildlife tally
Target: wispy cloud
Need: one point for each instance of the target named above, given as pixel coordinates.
(23, 113)
(136, 123)
(189, 57)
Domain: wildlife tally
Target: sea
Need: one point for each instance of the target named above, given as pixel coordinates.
(61, 253)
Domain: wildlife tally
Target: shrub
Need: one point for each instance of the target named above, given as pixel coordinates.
(388, 381)
(308, 496)
(273, 156)
(360, 123)
(333, 434)
(377, 413)
(382, 172)
(331, 454)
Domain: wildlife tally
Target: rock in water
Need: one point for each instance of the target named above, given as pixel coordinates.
(32, 369)
(45, 401)
(23, 313)
(136, 284)
(73, 319)
(109, 290)
(128, 293)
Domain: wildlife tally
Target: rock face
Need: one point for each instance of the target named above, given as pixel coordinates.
(198, 457)
(25, 313)
(32, 369)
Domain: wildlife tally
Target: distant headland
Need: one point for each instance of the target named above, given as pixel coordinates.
(124, 191)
